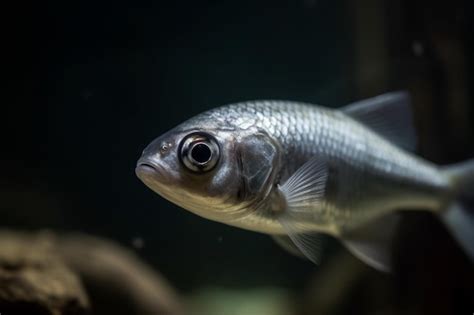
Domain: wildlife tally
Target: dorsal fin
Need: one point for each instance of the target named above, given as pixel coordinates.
(390, 115)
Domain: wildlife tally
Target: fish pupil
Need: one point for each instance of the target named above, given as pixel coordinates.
(201, 153)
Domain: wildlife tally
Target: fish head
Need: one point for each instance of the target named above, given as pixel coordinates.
(217, 172)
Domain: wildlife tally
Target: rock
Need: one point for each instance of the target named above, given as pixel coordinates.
(35, 280)
(117, 279)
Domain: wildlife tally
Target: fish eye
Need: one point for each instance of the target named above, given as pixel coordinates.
(199, 152)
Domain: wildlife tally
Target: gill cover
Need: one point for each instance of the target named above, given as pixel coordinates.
(256, 155)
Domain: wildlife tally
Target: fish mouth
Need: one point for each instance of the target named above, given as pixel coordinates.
(148, 171)
(157, 179)
(145, 167)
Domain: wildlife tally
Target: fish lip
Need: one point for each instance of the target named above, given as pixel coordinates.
(145, 167)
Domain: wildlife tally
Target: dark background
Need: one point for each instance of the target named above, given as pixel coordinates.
(89, 84)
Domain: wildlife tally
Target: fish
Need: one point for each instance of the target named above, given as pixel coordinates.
(301, 173)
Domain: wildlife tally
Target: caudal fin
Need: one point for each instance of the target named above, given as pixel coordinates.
(459, 217)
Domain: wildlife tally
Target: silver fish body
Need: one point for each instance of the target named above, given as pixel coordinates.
(261, 145)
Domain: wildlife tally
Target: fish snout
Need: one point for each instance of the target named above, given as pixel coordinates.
(146, 170)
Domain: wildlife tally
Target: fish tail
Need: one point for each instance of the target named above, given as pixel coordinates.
(459, 215)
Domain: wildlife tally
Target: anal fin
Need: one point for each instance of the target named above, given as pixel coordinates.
(372, 243)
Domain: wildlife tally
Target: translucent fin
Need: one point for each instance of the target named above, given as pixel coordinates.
(303, 193)
(372, 243)
(390, 115)
(460, 222)
(310, 244)
(462, 176)
(287, 244)
(459, 217)
(305, 188)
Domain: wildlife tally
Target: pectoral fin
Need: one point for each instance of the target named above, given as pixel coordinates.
(287, 244)
(303, 193)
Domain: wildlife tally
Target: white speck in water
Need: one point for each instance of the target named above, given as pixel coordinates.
(138, 243)
(418, 48)
(220, 239)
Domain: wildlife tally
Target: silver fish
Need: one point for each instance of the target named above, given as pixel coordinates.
(298, 171)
